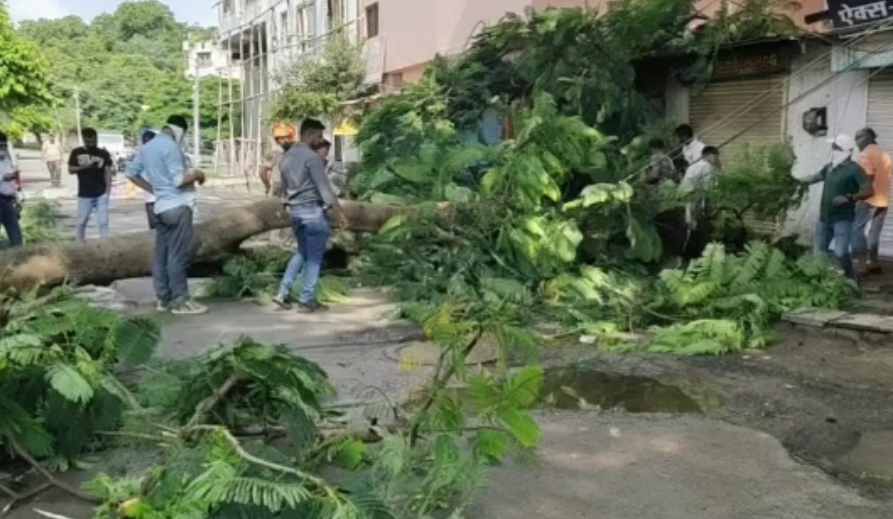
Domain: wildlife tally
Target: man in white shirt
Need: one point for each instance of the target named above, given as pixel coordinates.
(52, 156)
(692, 147)
(697, 181)
(9, 189)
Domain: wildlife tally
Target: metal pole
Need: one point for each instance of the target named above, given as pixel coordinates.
(77, 114)
(196, 130)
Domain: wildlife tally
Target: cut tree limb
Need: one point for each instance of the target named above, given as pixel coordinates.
(121, 257)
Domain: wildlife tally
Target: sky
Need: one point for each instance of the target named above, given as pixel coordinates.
(200, 12)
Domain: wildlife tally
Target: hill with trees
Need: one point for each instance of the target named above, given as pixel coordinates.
(127, 67)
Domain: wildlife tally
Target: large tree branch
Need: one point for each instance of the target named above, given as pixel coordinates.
(106, 260)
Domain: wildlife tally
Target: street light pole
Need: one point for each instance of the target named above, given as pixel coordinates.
(196, 133)
(77, 114)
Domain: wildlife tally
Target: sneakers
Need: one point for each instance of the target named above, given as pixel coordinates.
(312, 306)
(282, 302)
(161, 306)
(189, 307)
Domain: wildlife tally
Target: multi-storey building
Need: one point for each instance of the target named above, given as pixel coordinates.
(207, 58)
(262, 37)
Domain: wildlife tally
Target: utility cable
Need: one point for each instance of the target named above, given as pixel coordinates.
(887, 47)
(832, 77)
(782, 85)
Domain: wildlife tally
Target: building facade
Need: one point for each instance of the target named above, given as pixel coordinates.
(207, 58)
(802, 92)
(781, 83)
(262, 38)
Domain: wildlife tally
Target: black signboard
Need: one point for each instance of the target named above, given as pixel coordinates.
(738, 65)
(847, 14)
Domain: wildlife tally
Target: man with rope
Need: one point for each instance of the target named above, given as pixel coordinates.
(845, 184)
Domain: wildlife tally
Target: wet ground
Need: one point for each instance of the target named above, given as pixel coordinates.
(826, 396)
(762, 434)
(801, 430)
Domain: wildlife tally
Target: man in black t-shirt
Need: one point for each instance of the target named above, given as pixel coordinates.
(93, 166)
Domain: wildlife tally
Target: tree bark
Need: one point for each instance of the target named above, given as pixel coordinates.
(106, 260)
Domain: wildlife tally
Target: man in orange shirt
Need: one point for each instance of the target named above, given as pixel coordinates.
(871, 213)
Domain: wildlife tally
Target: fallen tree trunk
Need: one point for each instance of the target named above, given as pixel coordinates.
(106, 260)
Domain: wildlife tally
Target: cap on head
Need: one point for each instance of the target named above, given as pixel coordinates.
(283, 131)
(843, 142)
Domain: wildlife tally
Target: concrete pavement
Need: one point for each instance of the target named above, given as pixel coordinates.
(618, 466)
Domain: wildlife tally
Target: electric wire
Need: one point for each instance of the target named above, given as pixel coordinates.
(747, 106)
(881, 25)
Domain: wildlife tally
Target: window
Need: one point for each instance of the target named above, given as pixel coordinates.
(284, 30)
(306, 20)
(204, 59)
(372, 21)
(335, 14)
(394, 81)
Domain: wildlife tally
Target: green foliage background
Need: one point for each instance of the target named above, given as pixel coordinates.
(129, 67)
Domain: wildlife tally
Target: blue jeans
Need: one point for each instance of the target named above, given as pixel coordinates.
(872, 219)
(173, 255)
(311, 227)
(841, 232)
(9, 219)
(85, 209)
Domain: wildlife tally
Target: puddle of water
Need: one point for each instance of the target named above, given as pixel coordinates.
(581, 388)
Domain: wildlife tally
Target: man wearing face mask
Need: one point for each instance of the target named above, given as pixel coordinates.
(160, 168)
(845, 183)
(9, 174)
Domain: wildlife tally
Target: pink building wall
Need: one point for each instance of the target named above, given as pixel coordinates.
(708, 7)
(414, 31)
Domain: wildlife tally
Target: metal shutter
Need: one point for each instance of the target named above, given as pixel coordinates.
(880, 119)
(764, 99)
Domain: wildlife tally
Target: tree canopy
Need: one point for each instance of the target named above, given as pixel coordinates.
(24, 78)
(128, 68)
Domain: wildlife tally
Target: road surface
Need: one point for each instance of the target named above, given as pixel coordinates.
(125, 216)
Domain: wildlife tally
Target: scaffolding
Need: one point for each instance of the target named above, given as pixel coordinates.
(280, 35)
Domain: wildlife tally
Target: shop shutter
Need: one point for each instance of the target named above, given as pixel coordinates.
(718, 101)
(880, 119)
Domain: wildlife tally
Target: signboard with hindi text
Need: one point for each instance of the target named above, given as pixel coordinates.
(846, 14)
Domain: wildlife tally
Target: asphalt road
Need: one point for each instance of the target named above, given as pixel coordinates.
(125, 216)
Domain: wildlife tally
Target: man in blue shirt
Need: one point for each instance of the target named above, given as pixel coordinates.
(159, 168)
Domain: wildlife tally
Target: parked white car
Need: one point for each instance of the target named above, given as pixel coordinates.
(114, 143)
